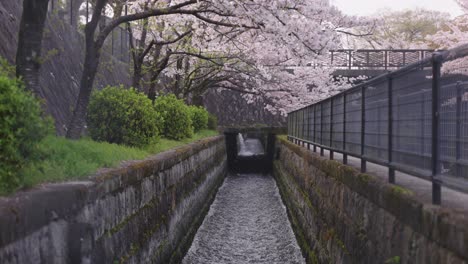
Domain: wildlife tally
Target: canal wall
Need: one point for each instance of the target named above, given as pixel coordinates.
(143, 212)
(340, 215)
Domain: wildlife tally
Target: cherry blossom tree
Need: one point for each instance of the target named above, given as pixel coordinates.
(264, 35)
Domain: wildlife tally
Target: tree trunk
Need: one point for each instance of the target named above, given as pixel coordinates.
(90, 67)
(152, 87)
(137, 75)
(28, 55)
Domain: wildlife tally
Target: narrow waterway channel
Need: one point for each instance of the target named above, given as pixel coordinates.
(247, 222)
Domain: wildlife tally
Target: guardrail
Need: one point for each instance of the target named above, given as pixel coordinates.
(403, 120)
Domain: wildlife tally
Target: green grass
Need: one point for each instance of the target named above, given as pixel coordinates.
(61, 159)
(165, 144)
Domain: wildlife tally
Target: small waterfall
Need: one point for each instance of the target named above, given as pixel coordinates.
(243, 151)
(249, 147)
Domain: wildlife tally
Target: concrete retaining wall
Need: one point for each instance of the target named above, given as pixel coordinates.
(342, 216)
(144, 212)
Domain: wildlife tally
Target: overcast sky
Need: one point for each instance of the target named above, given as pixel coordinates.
(368, 7)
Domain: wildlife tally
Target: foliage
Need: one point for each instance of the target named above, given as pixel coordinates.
(212, 121)
(199, 117)
(60, 159)
(165, 144)
(176, 115)
(405, 29)
(21, 128)
(6, 69)
(122, 116)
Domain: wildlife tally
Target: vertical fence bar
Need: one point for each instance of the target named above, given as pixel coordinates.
(458, 121)
(308, 127)
(349, 59)
(345, 156)
(304, 127)
(363, 126)
(386, 60)
(321, 130)
(315, 127)
(331, 127)
(391, 171)
(436, 181)
(71, 12)
(404, 58)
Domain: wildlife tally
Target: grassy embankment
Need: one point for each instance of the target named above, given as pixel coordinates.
(62, 159)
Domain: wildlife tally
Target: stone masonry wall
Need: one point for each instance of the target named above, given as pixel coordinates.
(343, 216)
(143, 212)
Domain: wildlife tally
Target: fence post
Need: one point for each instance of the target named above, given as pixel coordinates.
(71, 12)
(363, 126)
(315, 127)
(349, 59)
(386, 59)
(308, 127)
(321, 129)
(331, 127)
(404, 59)
(391, 171)
(436, 181)
(458, 132)
(345, 156)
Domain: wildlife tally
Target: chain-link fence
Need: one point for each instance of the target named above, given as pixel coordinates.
(413, 120)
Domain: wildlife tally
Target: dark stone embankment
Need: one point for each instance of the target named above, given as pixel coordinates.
(340, 215)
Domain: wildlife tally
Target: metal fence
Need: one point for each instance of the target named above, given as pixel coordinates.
(376, 59)
(78, 12)
(410, 120)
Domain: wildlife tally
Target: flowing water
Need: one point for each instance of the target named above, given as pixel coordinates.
(247, 223)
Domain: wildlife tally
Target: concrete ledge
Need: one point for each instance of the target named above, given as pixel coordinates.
(369, 217)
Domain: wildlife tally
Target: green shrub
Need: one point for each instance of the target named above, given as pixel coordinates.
(199, 117)
(123, 116)
(176, 115)
(6, 69)
(212, 121)
(21, 129)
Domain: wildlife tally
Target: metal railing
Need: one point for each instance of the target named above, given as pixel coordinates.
(376, 59)
(405, 120)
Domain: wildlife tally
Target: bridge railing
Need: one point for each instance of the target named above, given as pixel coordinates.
(404, 120)
(374, 58)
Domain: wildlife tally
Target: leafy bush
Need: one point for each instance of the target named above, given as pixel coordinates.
(21, 129)
(199, 117)
(6, 69)
(176, 115)
(122, 116)
(212, 121)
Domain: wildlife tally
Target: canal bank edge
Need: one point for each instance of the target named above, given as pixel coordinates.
(340, 215)
(142, 212)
